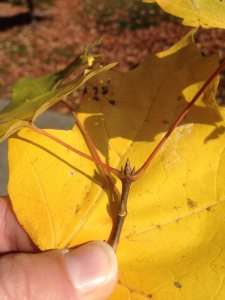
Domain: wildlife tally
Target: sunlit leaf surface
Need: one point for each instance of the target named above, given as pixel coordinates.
(172, 244)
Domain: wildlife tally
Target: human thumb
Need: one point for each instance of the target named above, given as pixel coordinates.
(88, 273)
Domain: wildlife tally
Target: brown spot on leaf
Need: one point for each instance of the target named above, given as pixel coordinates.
(77, 208)
(180, 98)
(112, 102)
(85, 90)
(96, 98)
(209, 208)
(177, 284)
(95, 89)
(191, 203)
(176, 207)
(105, 90)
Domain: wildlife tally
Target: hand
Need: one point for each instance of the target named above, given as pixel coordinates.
(88, 272)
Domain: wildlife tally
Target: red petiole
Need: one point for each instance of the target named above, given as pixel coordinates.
(71, 148)
(143, 168)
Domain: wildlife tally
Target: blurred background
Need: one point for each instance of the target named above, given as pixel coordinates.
(41, 36)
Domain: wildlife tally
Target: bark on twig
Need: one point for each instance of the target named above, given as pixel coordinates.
(122, 211)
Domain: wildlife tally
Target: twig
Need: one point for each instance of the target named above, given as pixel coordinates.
(122, 211)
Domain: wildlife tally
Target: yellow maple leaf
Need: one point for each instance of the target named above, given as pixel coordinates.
(174, 232)
(204, 13)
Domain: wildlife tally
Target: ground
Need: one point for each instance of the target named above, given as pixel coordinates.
(131, 31)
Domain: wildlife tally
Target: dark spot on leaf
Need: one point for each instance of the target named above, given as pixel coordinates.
(165, 121)
(192, 203)
(177, 284)
(77, 208)
(179, 98)
(204, 53)
(85, 90)
(149, 296)
(95, 89)
(96, 98)
(112, 102)
(158, 226)
(108, 81)
(105, 89)
(71, 173)
(176, 207)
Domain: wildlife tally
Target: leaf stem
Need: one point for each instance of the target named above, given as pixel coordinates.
(94, 151)
(143, 168)
(71, 148)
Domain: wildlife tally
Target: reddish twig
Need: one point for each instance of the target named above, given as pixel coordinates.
(122, 210)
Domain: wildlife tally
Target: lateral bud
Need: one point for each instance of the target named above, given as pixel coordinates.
(133, 170)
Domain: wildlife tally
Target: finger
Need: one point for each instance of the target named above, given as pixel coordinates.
(12, 235)
(86, 273)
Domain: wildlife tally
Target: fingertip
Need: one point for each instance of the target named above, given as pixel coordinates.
(92, 269)
(12, 236)
(85, 273)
